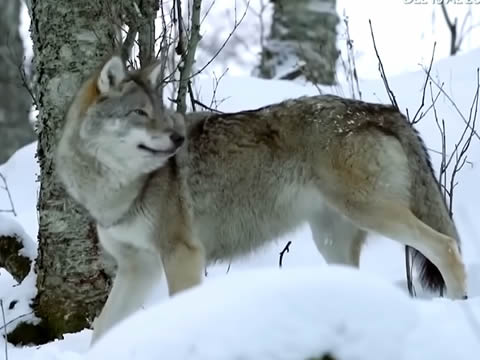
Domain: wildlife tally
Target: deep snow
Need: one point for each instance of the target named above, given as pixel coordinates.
(306, 309)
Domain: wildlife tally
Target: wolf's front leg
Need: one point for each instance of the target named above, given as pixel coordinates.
(138, 273)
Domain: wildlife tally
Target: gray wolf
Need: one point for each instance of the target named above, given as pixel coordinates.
(174, 194)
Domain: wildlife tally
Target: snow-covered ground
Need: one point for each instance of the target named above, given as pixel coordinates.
(306, 309)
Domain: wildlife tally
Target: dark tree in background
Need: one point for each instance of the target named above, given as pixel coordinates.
(302, 41)
(70, 38)
(15, 101)
(70, 41)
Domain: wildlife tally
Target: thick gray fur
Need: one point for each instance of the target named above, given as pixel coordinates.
(242, 180)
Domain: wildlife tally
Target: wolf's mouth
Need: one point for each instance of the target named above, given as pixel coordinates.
(153, 151)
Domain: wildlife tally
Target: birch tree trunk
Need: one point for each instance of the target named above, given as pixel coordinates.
(302, 41)
(70, 39)
(15, 129)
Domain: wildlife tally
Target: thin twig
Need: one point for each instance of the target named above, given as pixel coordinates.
(352, 71)
(418, 116)
(4, 329)
(461, 157)
(207, 12)
(5, 187)
(442, 177)
(237, 23)
(390, 93)
(459, 153)
(454, 105)
(216, 84)
(206, 107)
(192, 97)
(166, 41)
(286, 249)
(5, 325)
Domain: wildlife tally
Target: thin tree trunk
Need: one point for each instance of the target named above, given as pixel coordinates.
(15, 102)
(146, 31)
(70, 39)
(302, 41)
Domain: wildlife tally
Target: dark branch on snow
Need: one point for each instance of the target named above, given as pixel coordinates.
(286, 249)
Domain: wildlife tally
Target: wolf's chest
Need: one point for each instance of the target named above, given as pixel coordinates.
(137, 232)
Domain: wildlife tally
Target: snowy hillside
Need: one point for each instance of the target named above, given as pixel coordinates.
(306, 310)
(305, 313)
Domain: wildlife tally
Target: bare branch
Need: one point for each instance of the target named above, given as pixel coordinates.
(452, 26)
(206, 107)
(164, 49)
(188, 54)
(5, 187)
(352, 67)
(390, 93)
(442, 177)
(286, 249)
(4, 329)
(461, 157)
(237, 23)
(467, 123)
(214, 102)
(418, 116)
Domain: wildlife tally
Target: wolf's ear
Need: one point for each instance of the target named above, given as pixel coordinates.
(154, 74)
(112, 73)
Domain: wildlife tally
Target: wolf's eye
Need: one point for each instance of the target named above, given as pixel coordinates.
(140, 112)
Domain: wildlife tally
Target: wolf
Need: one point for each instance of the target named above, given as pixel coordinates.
(171, 194)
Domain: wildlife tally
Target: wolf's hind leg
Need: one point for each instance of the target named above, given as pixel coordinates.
(337, 238)
(397, 222)
(370, 182)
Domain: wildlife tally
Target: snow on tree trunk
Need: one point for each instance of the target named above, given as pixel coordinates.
(302, 41)
(70, 39)
(15, 101)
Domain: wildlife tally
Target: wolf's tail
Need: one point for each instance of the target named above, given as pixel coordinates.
(428, 205)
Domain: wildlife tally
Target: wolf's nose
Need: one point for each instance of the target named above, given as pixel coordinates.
(177, 139)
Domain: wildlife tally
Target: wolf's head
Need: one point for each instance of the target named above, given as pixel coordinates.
(124, 125)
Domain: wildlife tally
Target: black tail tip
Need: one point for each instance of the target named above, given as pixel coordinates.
(430, 277)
